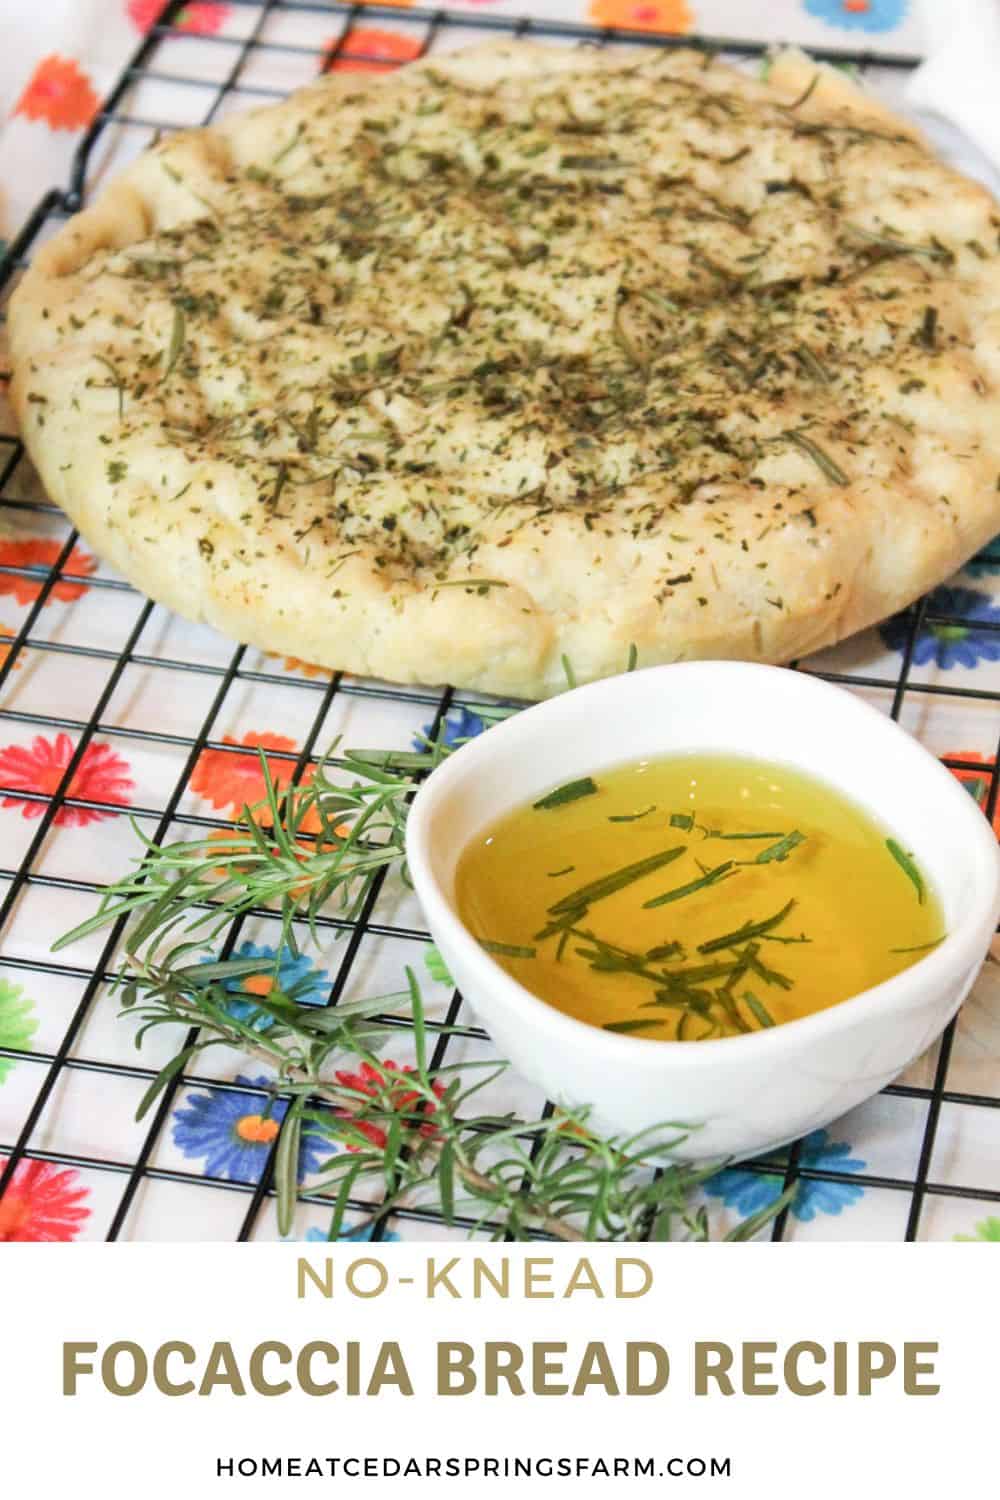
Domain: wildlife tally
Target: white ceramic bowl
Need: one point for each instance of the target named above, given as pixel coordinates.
(747, 1093)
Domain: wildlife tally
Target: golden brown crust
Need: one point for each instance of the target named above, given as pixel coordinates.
(525, 352)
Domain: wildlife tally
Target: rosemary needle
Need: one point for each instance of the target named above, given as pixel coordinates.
(748, 930)
(176, 341)
(627, 1026)
(928, 328)
(782, 849)
(909, 869)
(709, 878)
(617, 880)
(716, 833)
(807, 359)
(507, 950)
(757, 1009)
(921, 947)
(769, 975)
(119, 384)
(819, 456)
(572, 791)
(666, 950)
(632, 817)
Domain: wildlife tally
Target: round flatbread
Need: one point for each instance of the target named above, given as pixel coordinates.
(523, 353)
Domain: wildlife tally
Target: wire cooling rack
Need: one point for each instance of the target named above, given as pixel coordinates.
(212, 676)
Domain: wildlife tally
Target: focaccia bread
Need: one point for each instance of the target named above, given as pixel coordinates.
(522, 353)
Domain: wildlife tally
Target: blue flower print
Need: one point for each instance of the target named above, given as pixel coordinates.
(987, 562)
(460, 724)
(950, 645)
(311, 985)
(749, 1192)
(859, 15)
(233, 1133)
(361, 1235)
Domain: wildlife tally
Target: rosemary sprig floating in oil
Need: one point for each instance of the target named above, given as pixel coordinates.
(686, 988)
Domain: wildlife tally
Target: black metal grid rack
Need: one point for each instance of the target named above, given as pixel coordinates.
(430, 28)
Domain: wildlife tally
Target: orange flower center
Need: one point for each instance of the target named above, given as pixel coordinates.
(857, 7)
(258, 984)
(257, 1130)
(14, 1214)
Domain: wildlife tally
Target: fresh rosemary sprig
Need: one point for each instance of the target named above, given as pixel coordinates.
(293, 854)
(300, 849)
(554, 1175)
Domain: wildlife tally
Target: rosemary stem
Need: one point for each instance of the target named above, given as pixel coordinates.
(348, 1103)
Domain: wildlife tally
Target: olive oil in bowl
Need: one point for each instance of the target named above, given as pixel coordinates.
(694, 897)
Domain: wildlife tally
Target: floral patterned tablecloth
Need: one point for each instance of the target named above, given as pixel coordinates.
(213, 1147)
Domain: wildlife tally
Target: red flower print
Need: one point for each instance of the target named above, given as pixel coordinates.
(976, 782)
(40, 552)
(232, 781)
(202, 16)
(386, 1083)
(101, 776)
(42, 1204)
(60, 94)
(383, 51)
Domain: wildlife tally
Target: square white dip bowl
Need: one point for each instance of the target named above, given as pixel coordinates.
(745, 1094)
